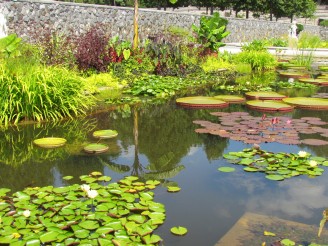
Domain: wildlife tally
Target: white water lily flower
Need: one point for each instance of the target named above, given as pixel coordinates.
(313, 163)
(302, 153)
(27, 213)
(92, 193)
(85, 187)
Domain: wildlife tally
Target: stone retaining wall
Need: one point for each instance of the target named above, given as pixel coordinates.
(27, 18)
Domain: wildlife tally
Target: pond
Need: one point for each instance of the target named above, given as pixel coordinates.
(160, 142)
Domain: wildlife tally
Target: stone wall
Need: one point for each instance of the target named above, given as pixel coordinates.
(28, 18)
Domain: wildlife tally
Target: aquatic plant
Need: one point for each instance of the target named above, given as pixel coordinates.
(240, 126)
(41, 93)
(259, 60)
(119, 213)
(278, 166)
(211, 31)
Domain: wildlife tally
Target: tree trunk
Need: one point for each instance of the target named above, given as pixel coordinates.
(247, 13)
(212, 10)
(207, 10)
(135, 26)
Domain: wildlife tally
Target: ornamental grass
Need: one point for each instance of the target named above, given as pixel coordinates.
(38, 93)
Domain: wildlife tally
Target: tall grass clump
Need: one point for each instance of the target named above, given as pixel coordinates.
(257, 56)
(37, 93)
(258, 60)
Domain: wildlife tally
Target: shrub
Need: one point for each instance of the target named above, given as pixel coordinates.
(92, 51)
(56, 48)
(40, 93)
(172, 58)
(259, 60)
(213, 64)
(255, 45)
(323, 23)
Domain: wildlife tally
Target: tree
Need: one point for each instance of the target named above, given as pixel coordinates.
(291, 8)
(135, 23)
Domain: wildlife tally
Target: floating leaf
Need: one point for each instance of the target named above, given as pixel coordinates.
(267, 233)
(269, 105)
(201, 102)
(89, 224)
(49, 236)
(251, 169)
(105, 134)
(264, 95)
(308, 102)
(275, 177)
(173, 188)
(287, 242)
(151, 239)
(68, 177)
(96, 148)
(50, 142)
(226, 169)
(179, 230)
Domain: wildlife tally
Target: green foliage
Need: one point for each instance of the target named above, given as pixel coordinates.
(107, 80)
(212, 31)
(214, 64)
(299, 28)
(278, 166)
(277, 42)
(56, 48)
(308, 40)
(255, 45)
(124, 213)
(323, 23)
(40, 93)
(259, 60)
(9, 46)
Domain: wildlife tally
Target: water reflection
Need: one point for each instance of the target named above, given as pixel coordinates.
(159, 142)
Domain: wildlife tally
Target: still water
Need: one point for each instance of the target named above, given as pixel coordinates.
(159, 142)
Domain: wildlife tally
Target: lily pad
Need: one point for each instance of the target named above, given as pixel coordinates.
(295, 75)
(315, 142)
(173, 188)
(264, 95)
(104, 134)
(179, 230)
(308, 103)
(323, 68)
(226, 169)
(230, 98)
(201, 102)
(269, 105)
(96, 148)
(275, 177)
(50, 142)
(320, 82)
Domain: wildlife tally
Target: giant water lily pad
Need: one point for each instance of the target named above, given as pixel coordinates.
(201, 102)
(104, 134)
(308, 103)
(319, 82)
(269, 105)
(264, 95)
(230, 98)
(323, 68)
(295, 75)
(96, 148)
(50, 142)
(295, 67)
